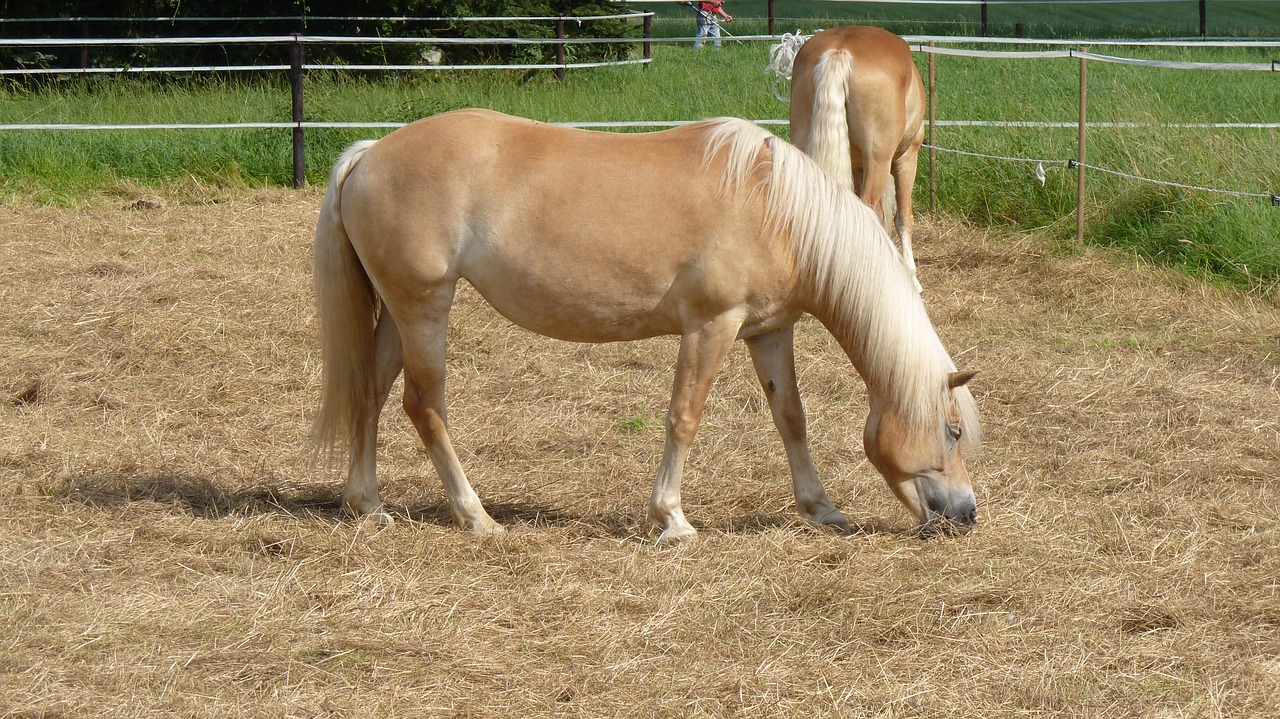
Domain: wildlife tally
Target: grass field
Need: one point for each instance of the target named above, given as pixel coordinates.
(168, 552)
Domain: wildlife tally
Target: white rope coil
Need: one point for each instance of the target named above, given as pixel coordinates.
(781, 57)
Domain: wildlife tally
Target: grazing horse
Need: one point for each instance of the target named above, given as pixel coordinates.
(857, 108)
(715, 231)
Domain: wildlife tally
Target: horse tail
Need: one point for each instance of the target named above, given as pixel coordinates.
(829, 130)
(345, 305)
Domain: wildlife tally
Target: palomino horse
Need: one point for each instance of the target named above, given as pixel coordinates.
(714, 231)
(857, 107)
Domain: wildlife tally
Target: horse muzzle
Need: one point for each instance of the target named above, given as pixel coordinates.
(946, 509)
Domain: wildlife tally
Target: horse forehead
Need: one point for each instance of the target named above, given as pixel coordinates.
(952, 409)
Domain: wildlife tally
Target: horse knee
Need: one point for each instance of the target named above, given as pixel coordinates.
(681, 428)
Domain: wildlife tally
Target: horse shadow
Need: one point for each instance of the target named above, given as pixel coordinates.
(203, 497)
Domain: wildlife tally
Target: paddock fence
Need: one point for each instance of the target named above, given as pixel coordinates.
(933, 46)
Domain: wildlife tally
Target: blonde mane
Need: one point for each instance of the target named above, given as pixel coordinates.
(847, 261)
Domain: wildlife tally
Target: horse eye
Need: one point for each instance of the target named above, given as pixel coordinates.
(955, 430)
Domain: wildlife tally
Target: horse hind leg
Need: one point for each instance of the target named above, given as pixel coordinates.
(904, 176)
(360, 493)
(424, 402)
(773, 355)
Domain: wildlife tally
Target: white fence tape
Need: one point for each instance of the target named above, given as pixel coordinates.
(1273, 66)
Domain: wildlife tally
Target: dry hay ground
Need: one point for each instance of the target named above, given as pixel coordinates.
(166, 551)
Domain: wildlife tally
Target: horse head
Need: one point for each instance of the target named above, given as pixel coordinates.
(923, 462)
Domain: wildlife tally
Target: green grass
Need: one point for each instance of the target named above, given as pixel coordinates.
(1234, 239)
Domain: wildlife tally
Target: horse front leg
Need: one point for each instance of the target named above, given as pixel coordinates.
(773, 355)
(702, 352)
(360, 493)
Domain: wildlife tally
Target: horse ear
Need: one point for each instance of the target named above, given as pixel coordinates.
(959, 379)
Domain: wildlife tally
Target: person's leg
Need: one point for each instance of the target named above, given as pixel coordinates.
(703, 29)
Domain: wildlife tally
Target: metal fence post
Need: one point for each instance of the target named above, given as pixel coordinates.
(295, 83)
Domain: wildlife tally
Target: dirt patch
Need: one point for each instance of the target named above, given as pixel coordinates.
(167, 549)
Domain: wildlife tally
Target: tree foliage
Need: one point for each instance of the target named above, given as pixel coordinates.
(366, 18)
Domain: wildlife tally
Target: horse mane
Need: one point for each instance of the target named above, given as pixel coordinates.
(847, 261)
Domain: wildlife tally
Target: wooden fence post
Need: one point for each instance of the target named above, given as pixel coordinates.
(84, 51)
(933, 154)
(1080, 145)
(772, 17)
(295, 83)
(560, 49)
(984, 18)
(648, 35)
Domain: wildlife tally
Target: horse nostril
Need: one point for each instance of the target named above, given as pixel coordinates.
(970, 518)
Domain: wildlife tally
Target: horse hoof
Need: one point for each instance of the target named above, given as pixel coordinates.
(673, 535)
(492, 529)
(484, 527)
(369, 512)
(378, 518)
(834, 520)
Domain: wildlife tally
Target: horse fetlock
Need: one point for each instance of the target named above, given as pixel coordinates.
(360, 504)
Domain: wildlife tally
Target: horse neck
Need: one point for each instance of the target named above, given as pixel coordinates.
(862, 294)
(903, 365)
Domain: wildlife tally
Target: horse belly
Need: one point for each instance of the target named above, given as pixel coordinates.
(572, 299)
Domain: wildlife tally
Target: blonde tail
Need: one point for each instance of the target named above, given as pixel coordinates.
(829, 134)
(345, 305)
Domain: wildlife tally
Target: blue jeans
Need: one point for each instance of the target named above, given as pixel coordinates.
(708, 26)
